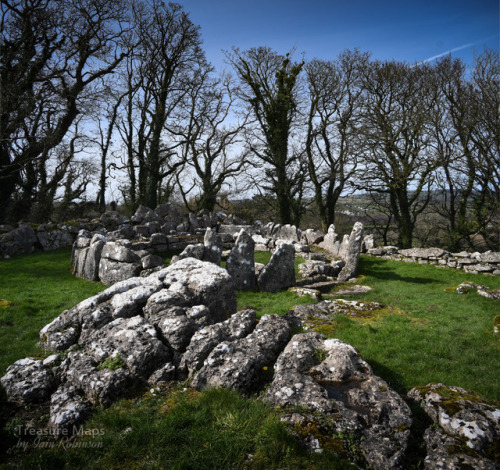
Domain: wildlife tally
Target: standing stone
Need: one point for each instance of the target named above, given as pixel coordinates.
(240, 264)
(330, 242)
(352, 262)
(91, 267)
(368, 243)
(279, 273)
(213, 247)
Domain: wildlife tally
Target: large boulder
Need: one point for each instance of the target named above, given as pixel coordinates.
(53, 239)
(213, 247)
(18, 241)
(131, 333)
(240, 263)
(279, 272)
(331, 242)
(28, 381)
(337, 390)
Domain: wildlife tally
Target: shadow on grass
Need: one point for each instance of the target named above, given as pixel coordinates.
(379, 269)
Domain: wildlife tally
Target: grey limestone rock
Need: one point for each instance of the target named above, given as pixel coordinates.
(240, 263)
(144, 214)
(90, 269)
(100, 386)
(424, 253)
(67, 410)
(331, 242)
(459, 414)
(313, 268)
(28, 381)
(207, 338)
(330, 377)
(193, 251)
(279, 272)
(53, 239)
(135, 342)
(18, 241)
(312, 237)
(213, 247)
(151, 261)
(237, 364)
(350, 269)
(368, 243)
(289, 233)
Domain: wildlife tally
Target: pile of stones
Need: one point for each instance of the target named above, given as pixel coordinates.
(181, 323)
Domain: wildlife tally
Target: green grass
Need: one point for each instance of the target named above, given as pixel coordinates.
(441, 336)
(40, 287)
(431, 335)
(266, 303)
(181, 429)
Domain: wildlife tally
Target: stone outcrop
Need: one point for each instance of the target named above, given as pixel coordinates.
(118, 262)
(240, 263)
(337, 390)
(236, 364)
(279, 272)
(464, 428)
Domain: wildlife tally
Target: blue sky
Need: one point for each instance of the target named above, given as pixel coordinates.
(401, 30)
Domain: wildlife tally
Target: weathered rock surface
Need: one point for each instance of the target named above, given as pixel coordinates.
(331, 242)
(67, 410)
(312, 268)
(465, 430)
(240, 263)
(53, 239)
(207, 338)
(134, 331)
(329, 377)
(314, 316)
(19, 240)
(213, 247)
(237, 364)
(279, 272)
(28, 381)
(118, 262)
(350, 269)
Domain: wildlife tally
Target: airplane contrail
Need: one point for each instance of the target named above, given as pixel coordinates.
(456, 49)
(465, 46)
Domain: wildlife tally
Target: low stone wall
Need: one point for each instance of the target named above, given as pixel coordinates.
(475, 263)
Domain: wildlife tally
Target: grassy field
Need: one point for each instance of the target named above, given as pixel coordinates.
(429, 334)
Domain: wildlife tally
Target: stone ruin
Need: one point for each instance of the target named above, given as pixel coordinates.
(136, 248)
(181, 323)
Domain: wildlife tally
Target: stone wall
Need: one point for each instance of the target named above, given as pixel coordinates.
(475, 263)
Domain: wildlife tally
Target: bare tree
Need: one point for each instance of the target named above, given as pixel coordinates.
(210, 136)
(52, 52)
(333, 143)
(398, 163)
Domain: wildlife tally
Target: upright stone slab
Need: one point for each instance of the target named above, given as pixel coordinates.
(352, 262)
(240, 264)
(279, 273)
(93, 258)
(330, 242)
(213, 247)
